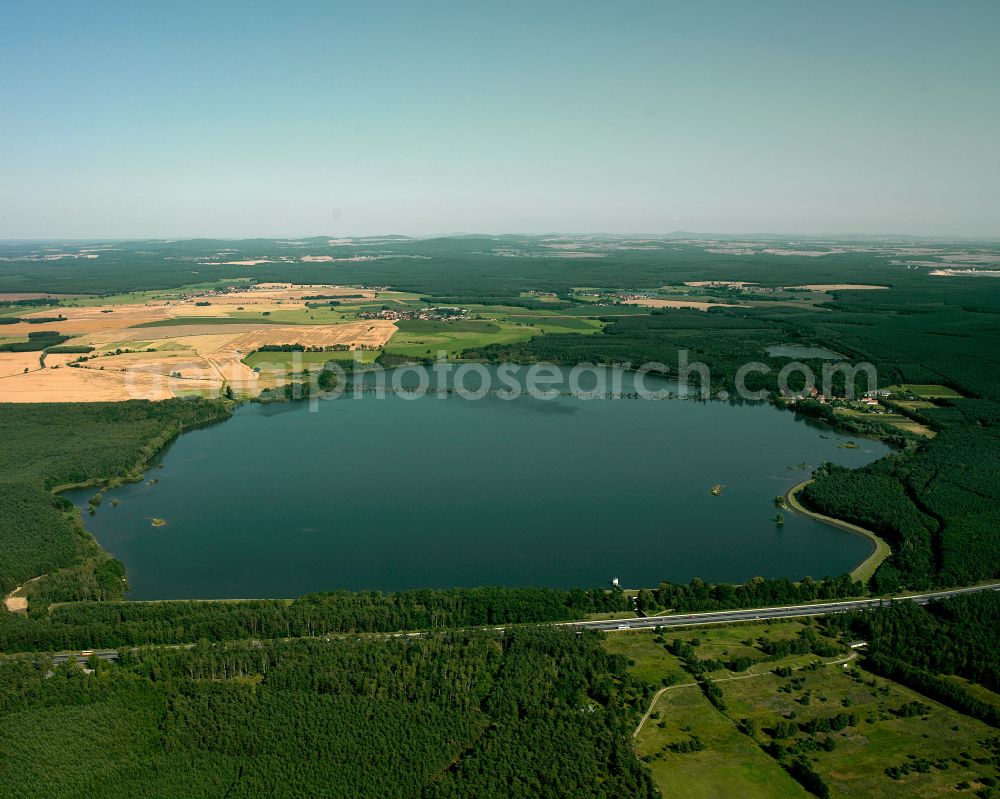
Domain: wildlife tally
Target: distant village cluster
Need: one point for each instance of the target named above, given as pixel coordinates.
(442, 314)
(870, 401)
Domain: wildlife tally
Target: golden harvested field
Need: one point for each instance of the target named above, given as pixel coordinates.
(162, 361)
(14, 363)
(89, 320)
(58, 359)
(152, 336)
(92, 385)
(371, 333)
(205, 360)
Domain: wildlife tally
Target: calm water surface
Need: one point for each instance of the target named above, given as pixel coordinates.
(395, 493)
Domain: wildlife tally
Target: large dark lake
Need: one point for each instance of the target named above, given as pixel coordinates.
(397, 493)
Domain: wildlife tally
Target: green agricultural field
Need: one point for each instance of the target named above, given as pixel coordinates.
(423, 326)
(927, 390)
(896, 420)
(563, 324)
(285, 362)
(425, 339)
(399, 296)
(913, 405)
(581, 311)
(297, 316)
(539, 323)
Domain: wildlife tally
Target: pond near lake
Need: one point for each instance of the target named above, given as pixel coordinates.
(396, 493)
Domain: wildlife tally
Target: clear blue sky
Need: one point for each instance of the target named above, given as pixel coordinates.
(137, 119)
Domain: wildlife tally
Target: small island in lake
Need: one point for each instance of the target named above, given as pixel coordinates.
(159, 522)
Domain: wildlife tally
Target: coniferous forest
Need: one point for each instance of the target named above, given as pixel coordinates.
(532, 712)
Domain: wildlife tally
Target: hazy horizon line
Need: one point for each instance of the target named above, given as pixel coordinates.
(845, 236)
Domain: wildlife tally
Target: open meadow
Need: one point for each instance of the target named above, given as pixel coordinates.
(862, 734)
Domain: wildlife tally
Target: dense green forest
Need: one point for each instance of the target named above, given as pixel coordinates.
(757, 593)
(112, 624)
(462, 266)
(938, 505)
(530, 713)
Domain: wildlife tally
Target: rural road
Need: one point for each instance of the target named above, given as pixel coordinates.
(686, 619)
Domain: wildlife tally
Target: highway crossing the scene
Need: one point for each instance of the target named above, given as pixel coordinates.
(754, 614)
(681, 619)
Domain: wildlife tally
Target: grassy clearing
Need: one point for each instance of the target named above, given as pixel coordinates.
(881, 740)
(927, 390)
(939, 746)
(915, 405)
(731, 765)
(648, 659)
(284, 362)
(726, 642)
(978, 691)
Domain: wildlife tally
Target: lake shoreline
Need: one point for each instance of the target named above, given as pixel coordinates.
(880, 548)
(798, 568)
